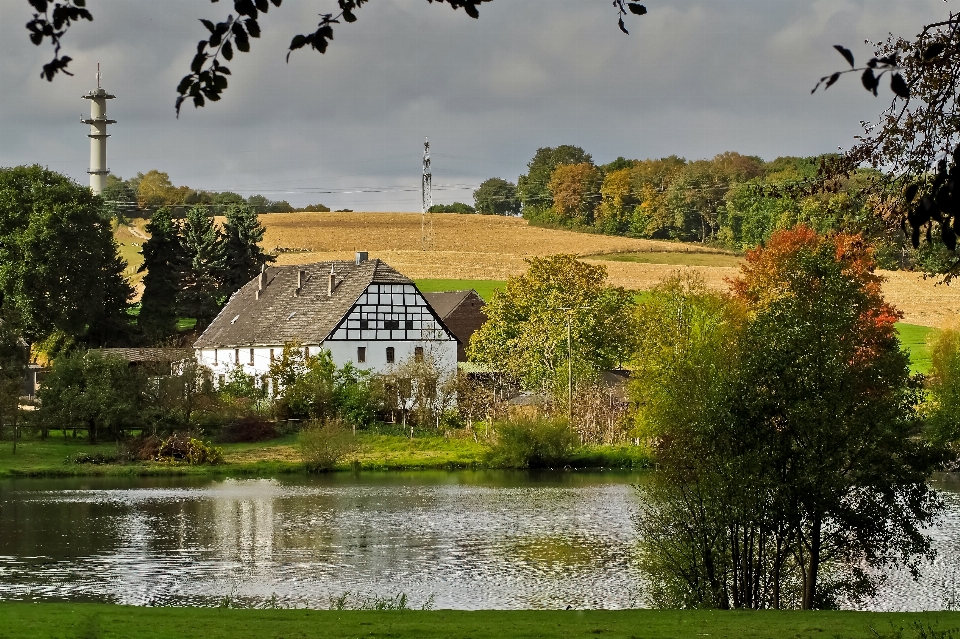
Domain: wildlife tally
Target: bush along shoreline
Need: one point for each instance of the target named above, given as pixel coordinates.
(261, 447)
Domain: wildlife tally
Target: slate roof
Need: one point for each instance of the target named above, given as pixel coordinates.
(281, 316)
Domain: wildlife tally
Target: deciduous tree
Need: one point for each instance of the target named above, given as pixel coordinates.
(60, 269)
(533, 189)
(496, 196)
(575, 191)
(794, 466)
(526, 333)
(87, 390)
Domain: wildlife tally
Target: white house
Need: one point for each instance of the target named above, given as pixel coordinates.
(363, 312)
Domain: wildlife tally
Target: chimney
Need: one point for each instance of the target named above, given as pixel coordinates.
(332, 283)
(262, 280)
(361, 257)
(299, 281)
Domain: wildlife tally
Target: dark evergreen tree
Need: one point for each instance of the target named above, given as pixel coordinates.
(244, 255)
(204, 268)
(163, 263)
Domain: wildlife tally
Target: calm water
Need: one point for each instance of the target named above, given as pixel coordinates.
(468, 539)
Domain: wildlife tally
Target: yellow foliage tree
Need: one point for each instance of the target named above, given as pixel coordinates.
(576, 192)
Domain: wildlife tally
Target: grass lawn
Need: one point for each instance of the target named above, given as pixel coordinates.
(915, 339)
(680, 258)
(53, 457)
(102, 621)
(484, 288)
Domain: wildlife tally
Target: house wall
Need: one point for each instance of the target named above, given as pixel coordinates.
(225, 359)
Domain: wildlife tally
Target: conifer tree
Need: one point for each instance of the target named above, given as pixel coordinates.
(163, 263)
(244, 255)
(201, 284)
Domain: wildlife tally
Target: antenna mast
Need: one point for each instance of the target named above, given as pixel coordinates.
(426, 193)
(98, 122)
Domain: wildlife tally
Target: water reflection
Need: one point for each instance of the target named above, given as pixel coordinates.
(471, 539)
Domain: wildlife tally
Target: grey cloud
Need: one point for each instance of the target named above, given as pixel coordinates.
(695, 78)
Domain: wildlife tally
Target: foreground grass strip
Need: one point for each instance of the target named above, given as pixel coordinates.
(60, 620)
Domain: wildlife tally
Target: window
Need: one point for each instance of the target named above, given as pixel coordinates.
(361, 354)
(215, 357)
(306, 351)
(364, 324)
(391, 325)
(408, 325)
(418, 354)
(390, 354)
(271, 355)
(251, 357)
(236, 356)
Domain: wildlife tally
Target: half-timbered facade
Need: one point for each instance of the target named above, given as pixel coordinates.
(363, 312)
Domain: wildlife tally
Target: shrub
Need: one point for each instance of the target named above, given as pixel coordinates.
(529, 443)
(97, 458)
(323, 444)
(248, 429)
(183, 449)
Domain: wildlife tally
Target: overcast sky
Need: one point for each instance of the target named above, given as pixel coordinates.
(694, 78)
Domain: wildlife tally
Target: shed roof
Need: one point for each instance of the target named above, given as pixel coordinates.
(283, 315)
(446, 302)
(149, 354)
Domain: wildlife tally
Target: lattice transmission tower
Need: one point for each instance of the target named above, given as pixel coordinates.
(426, 192)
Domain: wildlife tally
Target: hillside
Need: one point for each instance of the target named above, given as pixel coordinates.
(479, 247)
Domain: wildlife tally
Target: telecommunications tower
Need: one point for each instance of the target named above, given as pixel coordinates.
(426, 192)
(98, 135)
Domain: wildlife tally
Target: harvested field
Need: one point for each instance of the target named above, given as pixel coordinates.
(486, 247)
(481, 247)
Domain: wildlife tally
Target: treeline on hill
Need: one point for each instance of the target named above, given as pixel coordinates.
(732, 201)
(152, 190)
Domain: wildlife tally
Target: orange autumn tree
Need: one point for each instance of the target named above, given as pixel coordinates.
(808, 268)
(794, 473)
(828, 384)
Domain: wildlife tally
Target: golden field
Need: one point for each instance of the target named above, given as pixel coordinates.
(481, 247)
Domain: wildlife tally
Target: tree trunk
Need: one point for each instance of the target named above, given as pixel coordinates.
(92, 431)
(16, 429)
(813, 568)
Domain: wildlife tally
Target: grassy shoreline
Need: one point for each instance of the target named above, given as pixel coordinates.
(50, 458)
(102, 621)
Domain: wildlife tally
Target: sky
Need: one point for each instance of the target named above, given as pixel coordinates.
(694, 78)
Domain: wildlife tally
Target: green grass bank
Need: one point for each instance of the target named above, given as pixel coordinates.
(484, 288)
(105, 621)
(52, 457)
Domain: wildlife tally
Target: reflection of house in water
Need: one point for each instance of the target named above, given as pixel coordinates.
(243, 520)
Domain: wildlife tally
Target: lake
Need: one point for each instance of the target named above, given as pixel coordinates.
(463, 540)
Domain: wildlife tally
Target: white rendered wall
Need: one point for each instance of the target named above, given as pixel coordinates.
(222, 361)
